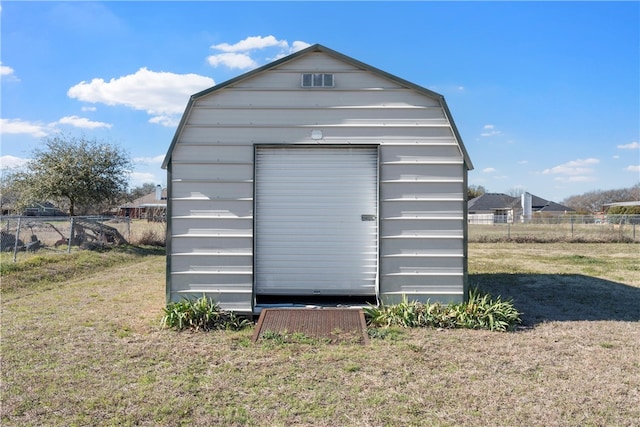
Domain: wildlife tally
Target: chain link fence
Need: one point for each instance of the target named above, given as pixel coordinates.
(570, 228)
(28, 234)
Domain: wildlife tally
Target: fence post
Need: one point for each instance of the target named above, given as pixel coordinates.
(70, 237)
(572, 227)
(15, 244)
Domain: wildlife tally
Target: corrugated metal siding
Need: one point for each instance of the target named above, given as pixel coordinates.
(211, 224)
(422, 223)
(310, 235)
(422, 177)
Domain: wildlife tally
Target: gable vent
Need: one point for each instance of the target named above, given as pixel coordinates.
(317, 80)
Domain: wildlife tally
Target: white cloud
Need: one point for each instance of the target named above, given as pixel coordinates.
(40, 130)
(490, 130)
(574, 171)
(577, 178)
(232, 60)
(631, 146)
(523, 162)
(8, 162)
(23, 127)
(298, 45)
(160, 94)
(238, 55)
(633, 168)
(488, 170)
(251, 43)
(150, 160)
(574, 167)
(82, 122)
(167, 121)
(8, 73)
(5, 70)
(88, 108)
(139, 178)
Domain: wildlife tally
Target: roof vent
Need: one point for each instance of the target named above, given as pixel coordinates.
(317, 80)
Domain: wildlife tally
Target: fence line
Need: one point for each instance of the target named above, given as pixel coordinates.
(553, 219)
(587, 228)
(60, 233)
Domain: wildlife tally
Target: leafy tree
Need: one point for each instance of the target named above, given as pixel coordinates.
(9, 193)
(78, 172)
(624, 210)
(142, 190)
(475, 191)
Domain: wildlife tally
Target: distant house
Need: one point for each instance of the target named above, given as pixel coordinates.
(43, 209)
(152, 207)
(491, 208)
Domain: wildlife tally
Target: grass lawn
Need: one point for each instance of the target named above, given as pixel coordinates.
(81, 345)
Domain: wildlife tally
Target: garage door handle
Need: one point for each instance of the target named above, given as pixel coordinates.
(368, 217)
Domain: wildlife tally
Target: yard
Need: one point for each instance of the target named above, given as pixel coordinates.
(81, 345)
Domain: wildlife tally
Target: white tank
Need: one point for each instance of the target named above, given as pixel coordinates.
(526, 207)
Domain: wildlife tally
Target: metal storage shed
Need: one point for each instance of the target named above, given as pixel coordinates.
(316, 175)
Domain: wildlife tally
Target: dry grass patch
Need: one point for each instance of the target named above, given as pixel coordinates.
(90, 351)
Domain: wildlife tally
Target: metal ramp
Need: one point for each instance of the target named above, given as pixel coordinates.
(100, 232)
(330, 324)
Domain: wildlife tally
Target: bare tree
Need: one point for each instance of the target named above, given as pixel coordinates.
(593, 201)
(516, 191)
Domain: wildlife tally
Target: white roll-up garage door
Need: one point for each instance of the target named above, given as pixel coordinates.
(316, 220)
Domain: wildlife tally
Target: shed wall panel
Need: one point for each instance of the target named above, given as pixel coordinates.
(330, 116)
(301, 134)
(212, 227)
(210, 153)
(212, 208)
(213, 172)
(212, 190)
(324, 98)
(421, 209)
(421, 247)
(212, 262)
(216, 245)
(421, 172)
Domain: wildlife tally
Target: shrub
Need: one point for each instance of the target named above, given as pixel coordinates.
(200, 314)
(480, 311)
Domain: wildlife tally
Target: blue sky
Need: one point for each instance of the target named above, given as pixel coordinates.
(546, 95)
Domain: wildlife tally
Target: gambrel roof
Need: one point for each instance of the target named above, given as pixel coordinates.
(312, 49)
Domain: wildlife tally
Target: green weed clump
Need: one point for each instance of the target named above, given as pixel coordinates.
(200, 314)
(480, 311)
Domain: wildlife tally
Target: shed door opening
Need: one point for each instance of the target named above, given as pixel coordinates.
(316, 221)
